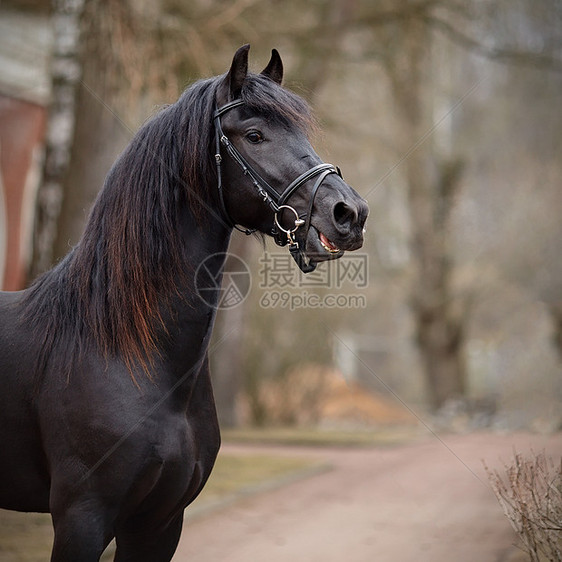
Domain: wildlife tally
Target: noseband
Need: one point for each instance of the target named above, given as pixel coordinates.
(275, 200)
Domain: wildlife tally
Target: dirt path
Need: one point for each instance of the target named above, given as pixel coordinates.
(428, 501)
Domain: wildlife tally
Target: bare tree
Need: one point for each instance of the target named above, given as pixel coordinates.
(431, 187)
(111, 63)
(402, 34)
(66, 72)
(100, 133)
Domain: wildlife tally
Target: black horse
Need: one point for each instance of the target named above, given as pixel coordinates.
(107, 419)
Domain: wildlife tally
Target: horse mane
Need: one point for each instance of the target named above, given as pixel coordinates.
(112, 290)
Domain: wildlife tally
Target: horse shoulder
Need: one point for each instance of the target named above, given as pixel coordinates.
(24, 477)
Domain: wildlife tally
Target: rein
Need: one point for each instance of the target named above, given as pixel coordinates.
(277, 202)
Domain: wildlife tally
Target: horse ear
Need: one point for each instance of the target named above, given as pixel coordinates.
(274, 68)
(230, 87)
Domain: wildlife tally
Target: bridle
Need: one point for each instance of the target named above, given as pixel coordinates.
(276, 201)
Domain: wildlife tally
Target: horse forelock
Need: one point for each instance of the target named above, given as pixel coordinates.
(276, 103)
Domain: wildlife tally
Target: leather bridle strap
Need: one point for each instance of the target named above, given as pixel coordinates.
(323, 169)
(266, 192)
(298, 255)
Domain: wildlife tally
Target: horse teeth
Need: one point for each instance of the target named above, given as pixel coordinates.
(328, 245)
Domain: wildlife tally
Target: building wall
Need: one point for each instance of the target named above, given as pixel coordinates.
(25, 45)
(22, 126)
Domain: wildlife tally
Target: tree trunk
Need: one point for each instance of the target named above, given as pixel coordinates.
(317, 52)
(431, 187)
(99, 137)
(556, 315)
(439, 317)
(227, 360)
(66, 74)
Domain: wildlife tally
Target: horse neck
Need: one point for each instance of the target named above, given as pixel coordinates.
(189, 318)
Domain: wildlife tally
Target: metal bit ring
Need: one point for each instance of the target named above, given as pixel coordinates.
(298, 221)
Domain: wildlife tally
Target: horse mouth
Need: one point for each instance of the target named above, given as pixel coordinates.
(327, 244)
(320, 248)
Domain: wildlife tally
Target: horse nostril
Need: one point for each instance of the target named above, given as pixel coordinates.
(344, 214)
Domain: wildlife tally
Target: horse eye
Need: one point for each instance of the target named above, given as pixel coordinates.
(254, 137)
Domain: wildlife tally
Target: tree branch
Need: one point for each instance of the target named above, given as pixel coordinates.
(507, 56)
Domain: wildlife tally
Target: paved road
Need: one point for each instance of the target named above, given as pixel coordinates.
(428, 501)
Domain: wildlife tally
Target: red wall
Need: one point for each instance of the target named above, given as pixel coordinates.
(22, 126)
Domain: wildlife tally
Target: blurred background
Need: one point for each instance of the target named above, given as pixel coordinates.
(446, 116)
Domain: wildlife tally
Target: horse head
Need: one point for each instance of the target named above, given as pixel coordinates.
(270, 178)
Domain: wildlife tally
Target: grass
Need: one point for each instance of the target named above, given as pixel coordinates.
(314, 437)
(238, 475)
(233, 473)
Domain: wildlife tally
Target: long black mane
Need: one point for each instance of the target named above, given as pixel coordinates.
(111, 290)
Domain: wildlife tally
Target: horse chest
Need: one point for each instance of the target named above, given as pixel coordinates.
(172, 470)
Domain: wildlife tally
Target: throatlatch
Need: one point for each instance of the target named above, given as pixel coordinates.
(276, 201)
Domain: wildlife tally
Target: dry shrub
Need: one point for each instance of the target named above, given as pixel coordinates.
(295, 398)
(530, 493)
(314, 394)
